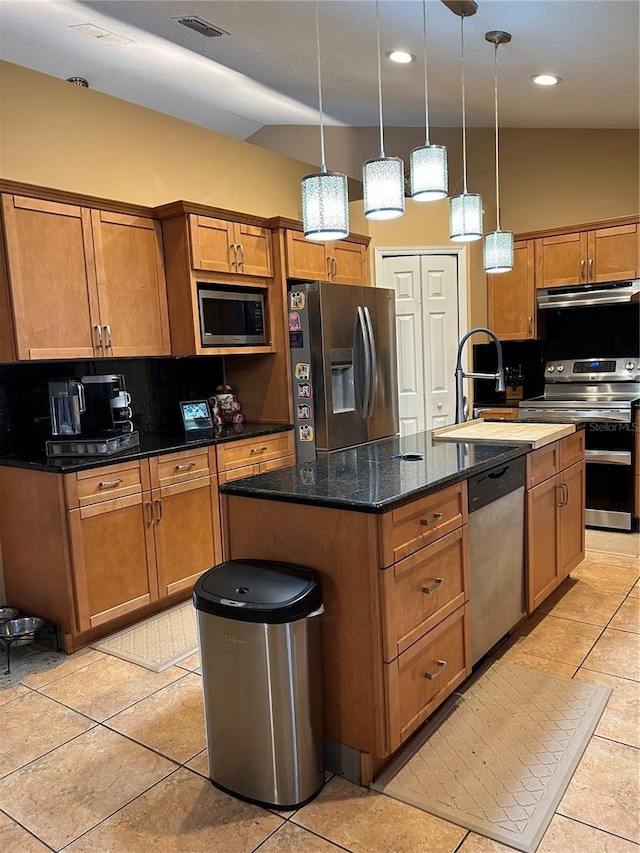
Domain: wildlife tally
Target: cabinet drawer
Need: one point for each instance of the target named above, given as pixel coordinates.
(572, 449)
(178, 467)
(416, 524)
(103, 484)
(499, 414)
(422, 589)
(423, 676)
(542, 464)
(238, 473)
(236, 454)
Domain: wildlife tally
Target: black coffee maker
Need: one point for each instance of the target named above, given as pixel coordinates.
(107, 411)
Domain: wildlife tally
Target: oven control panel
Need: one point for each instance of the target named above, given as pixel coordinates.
(593, 370)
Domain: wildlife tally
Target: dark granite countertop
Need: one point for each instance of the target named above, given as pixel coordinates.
(151, 444)
(368, 479)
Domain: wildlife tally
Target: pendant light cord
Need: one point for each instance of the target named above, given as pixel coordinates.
(323, 165)
(495, 92)
(379, 80)
(464, 114)
(426, 96)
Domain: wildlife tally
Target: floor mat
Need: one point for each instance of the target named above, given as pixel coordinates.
(158, 642)
(626, 544)
(503, 757)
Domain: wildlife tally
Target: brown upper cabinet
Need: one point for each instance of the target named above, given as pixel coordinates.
(80, 283)
(206, 250)
(588, 256)
(512, 298)
(219, 245)
(341, 261)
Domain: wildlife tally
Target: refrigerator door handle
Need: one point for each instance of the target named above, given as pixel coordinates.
(374, 363)
(362, 377)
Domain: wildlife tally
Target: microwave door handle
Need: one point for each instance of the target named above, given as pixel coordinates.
(374, 362)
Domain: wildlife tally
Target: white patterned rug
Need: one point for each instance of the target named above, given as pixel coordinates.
(158, 642)
(500, 763)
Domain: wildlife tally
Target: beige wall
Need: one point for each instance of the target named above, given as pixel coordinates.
(548, 178)
(60, 135)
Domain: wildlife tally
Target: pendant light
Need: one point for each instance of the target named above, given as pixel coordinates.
(429, 175)
(465, 210)
(325, 200)
(498, 246)
(383, 178)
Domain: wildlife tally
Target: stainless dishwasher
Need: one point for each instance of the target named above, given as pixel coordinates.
(496, 553)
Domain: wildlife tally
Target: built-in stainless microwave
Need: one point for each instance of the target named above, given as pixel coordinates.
(231, 316)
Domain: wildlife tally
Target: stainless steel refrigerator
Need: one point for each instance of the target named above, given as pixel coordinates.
(343, 365)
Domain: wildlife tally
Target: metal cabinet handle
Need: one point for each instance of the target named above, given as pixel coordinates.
(329, 259)
(429, 589)
(185, 467)
(99, 332)
(427, 521)
(441, 666)
(149, 507)
(561, 501)
(259, 449)
(566, 493)
(107, 331)
(590, 276)
(109, 484)
(334, 264)
(530, 325)
(158, 504)
(234, 260)
(241, 248)
(582, 265)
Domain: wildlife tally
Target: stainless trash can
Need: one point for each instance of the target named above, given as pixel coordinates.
(260, 656)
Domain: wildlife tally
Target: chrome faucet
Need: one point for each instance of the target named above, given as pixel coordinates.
(460, 374)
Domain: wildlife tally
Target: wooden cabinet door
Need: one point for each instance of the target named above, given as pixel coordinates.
(571, 531)
(113, 559)
(542, 541)
(253, 250)
(512, 307)
(613, 253)
(211, 244)
(52, 279)
(131, 285)
(306, 259)
(187, 532)
(349, 262)
(561, 260)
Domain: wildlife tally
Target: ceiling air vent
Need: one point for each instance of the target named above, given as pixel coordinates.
(202, 27)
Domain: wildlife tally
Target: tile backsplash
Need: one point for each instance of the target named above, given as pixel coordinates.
(156, 386)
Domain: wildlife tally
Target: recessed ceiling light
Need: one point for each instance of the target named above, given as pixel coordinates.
(546, 79)
(400, 56)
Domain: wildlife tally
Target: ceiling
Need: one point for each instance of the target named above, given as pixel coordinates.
(264, 71)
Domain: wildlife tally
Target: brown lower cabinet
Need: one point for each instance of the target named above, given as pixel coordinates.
(554, 515)
(395, 638)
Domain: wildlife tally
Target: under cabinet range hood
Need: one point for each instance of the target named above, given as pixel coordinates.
(605, 293)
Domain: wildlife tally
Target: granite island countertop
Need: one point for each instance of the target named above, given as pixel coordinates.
(151, 444)
(369, 479)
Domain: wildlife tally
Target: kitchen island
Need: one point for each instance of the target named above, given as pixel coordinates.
(388, 533)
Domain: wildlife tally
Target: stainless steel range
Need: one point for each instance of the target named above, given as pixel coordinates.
(603, 394)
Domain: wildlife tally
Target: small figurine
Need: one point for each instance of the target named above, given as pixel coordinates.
(225, 408)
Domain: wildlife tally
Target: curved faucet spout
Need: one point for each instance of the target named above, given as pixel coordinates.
(461, 375)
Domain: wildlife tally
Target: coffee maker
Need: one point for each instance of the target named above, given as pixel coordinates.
(91, 415)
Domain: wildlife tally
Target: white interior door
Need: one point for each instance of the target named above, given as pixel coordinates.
(426, 289)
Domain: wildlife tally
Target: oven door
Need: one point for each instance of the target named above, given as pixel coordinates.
(609, 457)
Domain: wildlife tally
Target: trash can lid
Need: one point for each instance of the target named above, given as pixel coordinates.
(258, 591)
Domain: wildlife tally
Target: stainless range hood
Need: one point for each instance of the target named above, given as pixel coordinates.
(611, 293)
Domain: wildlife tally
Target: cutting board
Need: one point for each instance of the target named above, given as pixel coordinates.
(533, 434)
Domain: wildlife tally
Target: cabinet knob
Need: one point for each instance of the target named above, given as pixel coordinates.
(441, 666)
